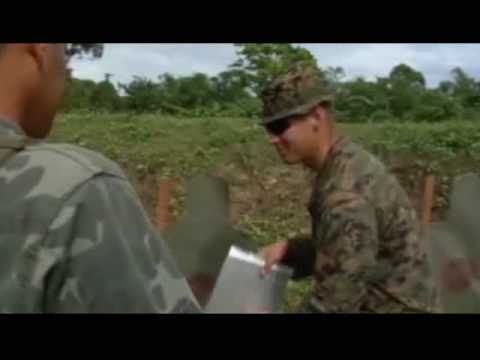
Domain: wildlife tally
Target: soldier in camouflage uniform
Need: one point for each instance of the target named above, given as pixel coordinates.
(364, 252)
(73, 234)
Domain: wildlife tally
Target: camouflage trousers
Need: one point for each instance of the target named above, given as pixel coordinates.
(311, 305)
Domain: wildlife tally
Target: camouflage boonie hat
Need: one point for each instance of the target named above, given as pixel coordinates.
(294, 93)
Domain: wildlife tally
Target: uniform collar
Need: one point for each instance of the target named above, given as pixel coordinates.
(340, 144)
(335, 149)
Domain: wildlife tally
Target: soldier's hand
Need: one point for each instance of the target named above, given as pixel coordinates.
(273, 254)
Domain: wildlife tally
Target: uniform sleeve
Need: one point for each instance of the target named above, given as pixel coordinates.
(346, 239)
(114, 261)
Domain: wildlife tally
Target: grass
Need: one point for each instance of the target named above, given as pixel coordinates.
(268, 198)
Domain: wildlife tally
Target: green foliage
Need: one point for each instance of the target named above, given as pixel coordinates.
(87, 95)
(104, 96)
(267, 197)
(357, 100)
(435, 106)
(78, 94)
(231, 86)
(153, 138)
(141, 95)
(94, 50)
(262, 62)
(401, 96)
(192, 96)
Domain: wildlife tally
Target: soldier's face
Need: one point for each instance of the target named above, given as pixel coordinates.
(294, 138)
(303, 139)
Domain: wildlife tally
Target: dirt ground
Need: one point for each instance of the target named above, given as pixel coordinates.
(281, 192)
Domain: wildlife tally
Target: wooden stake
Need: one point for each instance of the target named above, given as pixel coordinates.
(427, 202)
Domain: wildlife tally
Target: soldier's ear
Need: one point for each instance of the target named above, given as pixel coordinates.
(319, 113)
(39, 53)
(314, 120)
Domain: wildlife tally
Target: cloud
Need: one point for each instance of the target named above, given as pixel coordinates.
(151, 60)
(435, 61)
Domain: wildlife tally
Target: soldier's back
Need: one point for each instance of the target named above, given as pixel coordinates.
(34, 185)
(74, 238)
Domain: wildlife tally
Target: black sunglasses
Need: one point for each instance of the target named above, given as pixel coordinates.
(278, 127)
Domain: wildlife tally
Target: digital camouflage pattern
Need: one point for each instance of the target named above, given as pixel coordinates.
(74, 237)
(365, 253)
(295, 93)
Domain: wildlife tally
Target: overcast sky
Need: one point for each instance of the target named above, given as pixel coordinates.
(435, 61)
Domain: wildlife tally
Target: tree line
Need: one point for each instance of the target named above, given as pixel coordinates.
(402, 95)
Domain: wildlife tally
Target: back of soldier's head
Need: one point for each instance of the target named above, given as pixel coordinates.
(32, 82)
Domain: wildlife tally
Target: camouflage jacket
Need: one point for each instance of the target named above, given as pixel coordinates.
(74, 236)
(365, 253)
